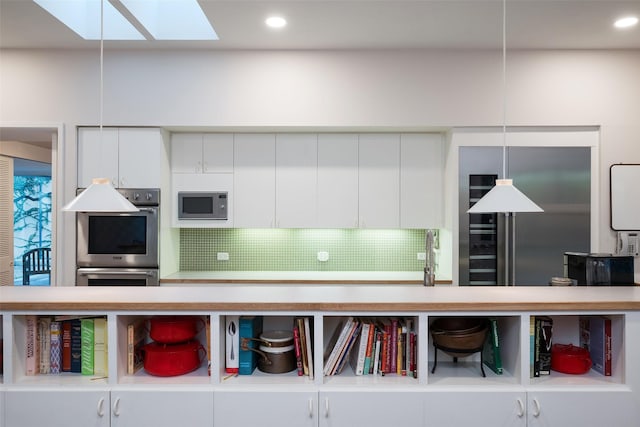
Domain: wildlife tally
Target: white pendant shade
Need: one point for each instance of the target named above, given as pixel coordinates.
(100, 196)
(504, 197)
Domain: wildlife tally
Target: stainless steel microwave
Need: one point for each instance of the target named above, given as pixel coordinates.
(202, 205)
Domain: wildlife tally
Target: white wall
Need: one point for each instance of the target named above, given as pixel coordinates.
(400, 90)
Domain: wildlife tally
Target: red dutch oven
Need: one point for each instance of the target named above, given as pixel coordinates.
(167, 360)
(570, 359)
(174, 329)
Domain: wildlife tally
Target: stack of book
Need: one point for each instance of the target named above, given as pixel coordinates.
(373, 346)
(595, 336)
(540, 336)
(302, 340)
(56, 344)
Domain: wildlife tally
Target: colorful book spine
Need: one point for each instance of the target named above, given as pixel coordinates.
(491, 352)
(358, 357)
(309, 349)
(87, 339)
(136, 336)
(595, 336)
(32, 352)
(100, 363)
(55, 348)
(249, 327)
(76, 346)
(303, 345)
(66, 346)
(298, 350)
(44, 340)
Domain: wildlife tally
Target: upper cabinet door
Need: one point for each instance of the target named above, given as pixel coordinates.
(379, 180)
(97, 155)
(141, 155)
(217, 153)
(296, 164)
(254, 180)
(338, 180)
(421, 180)
(186, 153)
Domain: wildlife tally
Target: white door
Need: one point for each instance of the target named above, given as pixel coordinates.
(338, 180)
(97, 155)
(254, 180)
(371, 409)
(296, 178)
(379, 180)
(186, 153)
(6, 221)
(583, 408)
(477, 408)
(140, 157)
(56, 407)
(217, 153)
(162, 408)
(265, 408)
(421, 180)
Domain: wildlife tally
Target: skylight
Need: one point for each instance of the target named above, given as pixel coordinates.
(163, 19)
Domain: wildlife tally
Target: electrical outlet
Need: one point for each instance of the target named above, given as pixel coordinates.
(421, 256)
(323, 256)
(223, 256)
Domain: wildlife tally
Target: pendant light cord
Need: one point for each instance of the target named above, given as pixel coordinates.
(101, 66)
(504, 89)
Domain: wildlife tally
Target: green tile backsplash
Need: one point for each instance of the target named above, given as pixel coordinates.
(297, 249)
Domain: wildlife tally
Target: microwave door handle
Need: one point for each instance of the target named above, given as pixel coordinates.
(118, 273)
(150, 210)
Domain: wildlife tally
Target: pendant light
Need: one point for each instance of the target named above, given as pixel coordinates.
(504, 197)
(100, 196)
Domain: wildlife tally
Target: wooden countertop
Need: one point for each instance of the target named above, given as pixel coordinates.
(375, 298)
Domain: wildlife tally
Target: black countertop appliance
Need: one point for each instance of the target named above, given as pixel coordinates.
(594, 269)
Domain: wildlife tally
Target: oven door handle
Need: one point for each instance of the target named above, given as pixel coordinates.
(150, 210)
(117, 273)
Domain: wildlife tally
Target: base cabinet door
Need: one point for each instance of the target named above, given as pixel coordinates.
(583, 408)
(371, 409)
(162, 408)
(265, 408)
(475, 408)
(30, 407)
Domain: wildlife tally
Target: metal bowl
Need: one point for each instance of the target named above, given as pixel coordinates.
(459, 337)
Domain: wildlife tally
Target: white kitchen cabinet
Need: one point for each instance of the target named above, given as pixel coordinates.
(271, 407)
(372, 408)
(56, 407)
(156, 407)
(129, 157)
(421, 180)
(485, 408)
(296, 178)
(379, 180)
(592, 408)
(254, 180)
(337, 180)
(202, 153)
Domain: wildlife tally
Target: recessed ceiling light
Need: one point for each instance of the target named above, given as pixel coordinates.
(626, 22)
(276, 21)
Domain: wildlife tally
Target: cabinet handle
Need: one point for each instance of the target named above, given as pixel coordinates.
(536, 408)
(204, 167)
(100, 408)
(116, 407)
(520, 412)
(198, 167)
(326, 407)
(310, 407)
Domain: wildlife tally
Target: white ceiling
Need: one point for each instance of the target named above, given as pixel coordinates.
(364, 24)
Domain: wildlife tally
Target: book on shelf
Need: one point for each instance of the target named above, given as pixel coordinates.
(248, 327)
(32, 352)
(232, 343)
(44, 344)
(304, 357)
(491, 355)
(368, 357)
(87, 339)
(55, 348)
(308, 345)
(336, 342)
(136, 337)
(207, 327)
(297, 348)
(358, 355)
(350, 344)
(595, 336)
(76, 346)
(100, 360)
(543, 333)
(66, 346)
(532, 346)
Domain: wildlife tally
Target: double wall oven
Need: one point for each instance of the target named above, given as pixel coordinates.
(120, 248)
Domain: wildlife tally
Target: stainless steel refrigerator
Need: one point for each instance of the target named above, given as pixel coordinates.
(558, 179)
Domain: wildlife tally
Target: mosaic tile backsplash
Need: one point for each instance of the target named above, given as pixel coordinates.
(297, 249)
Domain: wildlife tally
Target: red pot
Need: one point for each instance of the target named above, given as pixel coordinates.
(570, 359)
(167, 360)
(174, 329)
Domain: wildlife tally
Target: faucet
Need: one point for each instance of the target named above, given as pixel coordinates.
(430, 261)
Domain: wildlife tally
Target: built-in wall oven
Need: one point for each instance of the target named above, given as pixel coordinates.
(120, 248)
